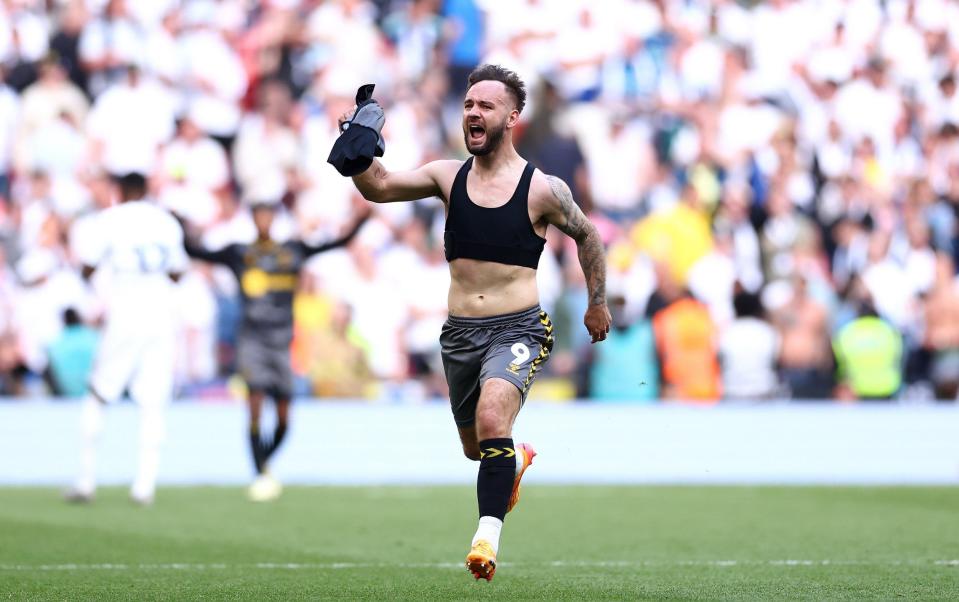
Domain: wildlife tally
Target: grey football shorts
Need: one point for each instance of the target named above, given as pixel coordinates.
(264, 365)
(511, 346)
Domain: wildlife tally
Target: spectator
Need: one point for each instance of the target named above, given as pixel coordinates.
(123, 141)
(733, 216)
(108, 45)
(9, 115)
(37, 211)
(464, 38)
(161, 54)
(869, 355)
(887, 281)
(417, 266)
(378, 325)
(60, 149)
(71, 356)
(784, 229)
(415, 31)
(212, 80)
(267, 148)
(48, 290)
(580, 51)
(194, 174)
(9, 352)
(620, 164)
(65, 43)
(336, 366)
(553, 151)
(51, 96)
(712, 279)
(686, 342)
(806, 359)
(941, 341)
(348, 29)
(624, 367)
(749, 352)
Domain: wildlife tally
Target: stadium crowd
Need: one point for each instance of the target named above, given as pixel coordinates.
(777, 183)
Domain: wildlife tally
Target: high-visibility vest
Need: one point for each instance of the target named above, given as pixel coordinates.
(686, 340)
(869, 352)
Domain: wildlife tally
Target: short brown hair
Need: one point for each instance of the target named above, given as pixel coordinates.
(501, 74)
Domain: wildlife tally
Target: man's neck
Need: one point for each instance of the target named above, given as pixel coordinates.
(499, 159)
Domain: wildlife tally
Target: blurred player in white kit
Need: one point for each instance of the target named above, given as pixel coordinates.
(140, 247)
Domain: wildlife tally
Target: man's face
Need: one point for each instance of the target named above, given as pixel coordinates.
(488, 111)
(263, 219)
(190, 131)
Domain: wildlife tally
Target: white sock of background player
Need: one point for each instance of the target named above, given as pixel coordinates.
(91, 425)
(152, 430)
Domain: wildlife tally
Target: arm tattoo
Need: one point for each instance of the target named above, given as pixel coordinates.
(592, 256)
(576, 224)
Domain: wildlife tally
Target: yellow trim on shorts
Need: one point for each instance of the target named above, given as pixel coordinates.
(544, 350)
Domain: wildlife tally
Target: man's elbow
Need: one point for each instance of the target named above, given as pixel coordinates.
(588, 234)
(375, 196)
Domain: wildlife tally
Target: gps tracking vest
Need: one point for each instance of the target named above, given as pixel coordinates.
(501, 234)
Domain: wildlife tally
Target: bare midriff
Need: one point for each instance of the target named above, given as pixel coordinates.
(480, 289)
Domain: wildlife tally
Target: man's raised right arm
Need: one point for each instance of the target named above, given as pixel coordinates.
(379, 185)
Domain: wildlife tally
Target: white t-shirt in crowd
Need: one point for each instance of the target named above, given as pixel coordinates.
(619, 165)
(748, 350)
(132, 122)
(202, 163)
(888, 284)
(206, 56)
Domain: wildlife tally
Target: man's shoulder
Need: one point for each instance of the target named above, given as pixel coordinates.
(546, 187)
(149, 210)
(140, 215)
(443, 172)
(293, 245)
(444, 167)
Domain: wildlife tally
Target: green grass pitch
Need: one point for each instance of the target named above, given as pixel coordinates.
(561, 543)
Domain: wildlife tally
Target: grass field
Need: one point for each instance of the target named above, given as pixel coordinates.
(561, 543)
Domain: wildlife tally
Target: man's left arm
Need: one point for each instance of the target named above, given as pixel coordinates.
(563, 213)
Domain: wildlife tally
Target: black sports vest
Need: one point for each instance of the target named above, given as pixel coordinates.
(502, 234)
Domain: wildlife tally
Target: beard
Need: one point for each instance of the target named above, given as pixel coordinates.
(494, 136)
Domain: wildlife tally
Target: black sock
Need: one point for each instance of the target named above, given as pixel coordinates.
(278, 434)
(256, 446)
(497, 470)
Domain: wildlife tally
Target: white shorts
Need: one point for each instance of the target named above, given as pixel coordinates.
(141, 364)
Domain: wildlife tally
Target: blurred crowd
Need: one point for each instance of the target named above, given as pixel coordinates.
(777, 183)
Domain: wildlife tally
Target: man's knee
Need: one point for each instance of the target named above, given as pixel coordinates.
(471, 448)
(283, 411)
(499, 403)
(491, 421)
(152, 424)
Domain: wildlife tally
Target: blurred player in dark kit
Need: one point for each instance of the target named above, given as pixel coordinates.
(268, 274)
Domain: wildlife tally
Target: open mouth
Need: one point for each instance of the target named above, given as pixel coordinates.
(476, 132)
